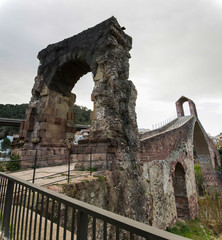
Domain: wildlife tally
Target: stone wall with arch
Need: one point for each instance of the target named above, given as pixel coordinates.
(104, 51)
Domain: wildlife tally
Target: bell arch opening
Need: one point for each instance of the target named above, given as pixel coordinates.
(180, 192)
(186, 109)
(180, 107)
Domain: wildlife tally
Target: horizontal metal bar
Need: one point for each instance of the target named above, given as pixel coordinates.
(130, 225)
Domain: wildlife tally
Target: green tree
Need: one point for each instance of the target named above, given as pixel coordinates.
(5, 144)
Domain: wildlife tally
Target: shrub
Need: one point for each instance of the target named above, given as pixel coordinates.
(199, 179)
(13, 165)
(210, 209)
(101, 178)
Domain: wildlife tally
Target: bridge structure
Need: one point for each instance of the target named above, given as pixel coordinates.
(168, 154)
(17, 122)
(11, 122)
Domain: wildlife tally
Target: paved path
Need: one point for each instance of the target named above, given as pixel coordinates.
(53, 175)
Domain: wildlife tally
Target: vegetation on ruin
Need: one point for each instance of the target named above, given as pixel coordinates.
(199, 179)
(17, 111)
(220, 152)
(193, 229)
(210, 210)
(209, 223)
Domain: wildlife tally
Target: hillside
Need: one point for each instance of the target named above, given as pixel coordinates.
(17, 111)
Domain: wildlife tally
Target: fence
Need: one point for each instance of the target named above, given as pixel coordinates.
(29, 212)
(65, 159)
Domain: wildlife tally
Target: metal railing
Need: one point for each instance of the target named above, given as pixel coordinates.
(65, 159)
(29, 212)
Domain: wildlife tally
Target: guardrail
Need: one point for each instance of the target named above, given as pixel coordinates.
(64, 159)
(28, 211)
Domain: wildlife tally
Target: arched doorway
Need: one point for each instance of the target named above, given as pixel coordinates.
(180, 192)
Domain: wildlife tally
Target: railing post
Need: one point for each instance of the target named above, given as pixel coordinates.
(7, 209)
(107, 159)
(33, 178)
(69, 165)
(90, 162)
(82, 228)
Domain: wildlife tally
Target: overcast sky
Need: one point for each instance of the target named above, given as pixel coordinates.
(176, 51)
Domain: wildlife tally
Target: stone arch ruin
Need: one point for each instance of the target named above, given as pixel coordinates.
(104, 51)
(180, 191)
(179, 106)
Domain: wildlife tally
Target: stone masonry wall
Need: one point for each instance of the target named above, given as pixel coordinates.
(159, 156)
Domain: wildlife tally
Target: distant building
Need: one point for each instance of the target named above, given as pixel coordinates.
(82, 134)
(217, 140)
(143, 130)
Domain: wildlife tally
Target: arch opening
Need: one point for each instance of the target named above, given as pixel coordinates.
(180, 108)
(201, 147)
(83, 90)
(203, 157)
(180, 192)
(186, 108)
(67, 76)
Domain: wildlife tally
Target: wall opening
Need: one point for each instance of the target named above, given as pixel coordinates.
(201, 146)
(83, 90)
(186, 108)
(180, 192)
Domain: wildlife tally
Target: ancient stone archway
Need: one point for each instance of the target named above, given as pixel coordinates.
(179, 184)
(179, 107)
(104, 51)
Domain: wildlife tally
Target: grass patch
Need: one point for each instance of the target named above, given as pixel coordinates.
(11, 166)
(85, 180)
(93, 169)
(210, 210)
(193, 229)
(101, 178)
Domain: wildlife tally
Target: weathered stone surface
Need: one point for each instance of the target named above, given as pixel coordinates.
(103, 50)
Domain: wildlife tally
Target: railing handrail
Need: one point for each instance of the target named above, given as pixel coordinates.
(130, 225)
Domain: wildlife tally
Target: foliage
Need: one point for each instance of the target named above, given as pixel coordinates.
(193, 229)
(3, 166)
(17, 111)
(92, 169)
(220, 152)
(210, 210)
(199, 179)
(5, 144)
(13, 111)
(11, 165)
(101, 178)
(82, 115)
(195, 154)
